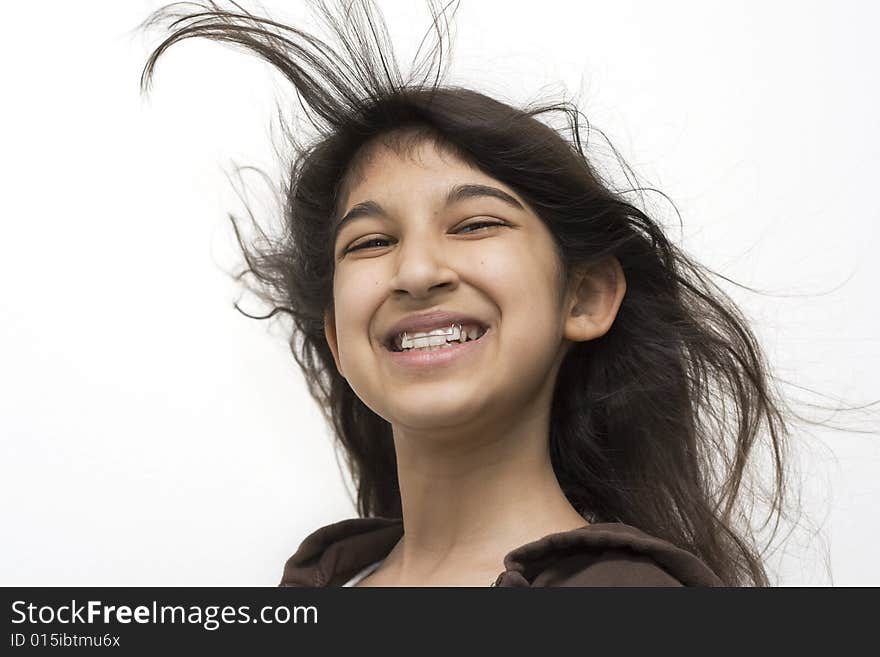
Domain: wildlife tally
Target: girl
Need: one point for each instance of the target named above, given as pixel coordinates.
(532, 385)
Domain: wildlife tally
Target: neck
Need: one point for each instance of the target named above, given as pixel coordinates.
(470, 496)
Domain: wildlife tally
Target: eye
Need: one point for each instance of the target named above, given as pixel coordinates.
(367, 244)
(478, 225)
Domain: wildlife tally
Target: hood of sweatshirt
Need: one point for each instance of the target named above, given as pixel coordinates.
(601, 554)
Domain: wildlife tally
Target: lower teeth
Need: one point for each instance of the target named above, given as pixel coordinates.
(431, 348)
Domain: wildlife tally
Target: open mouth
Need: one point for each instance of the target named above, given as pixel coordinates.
(436, 339)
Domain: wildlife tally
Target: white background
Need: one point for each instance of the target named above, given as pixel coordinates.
(151, 435)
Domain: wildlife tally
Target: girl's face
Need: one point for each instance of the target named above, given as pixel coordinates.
(412, 246)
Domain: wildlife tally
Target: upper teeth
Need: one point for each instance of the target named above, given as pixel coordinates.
(437, 337)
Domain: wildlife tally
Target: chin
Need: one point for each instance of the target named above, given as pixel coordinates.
(424, 412)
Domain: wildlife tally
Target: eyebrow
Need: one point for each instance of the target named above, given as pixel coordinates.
(455, 194)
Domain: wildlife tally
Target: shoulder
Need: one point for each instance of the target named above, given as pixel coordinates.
(612, 567)
(606, 554)
(335, 552)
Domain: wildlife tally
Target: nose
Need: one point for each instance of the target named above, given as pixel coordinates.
(422, 267)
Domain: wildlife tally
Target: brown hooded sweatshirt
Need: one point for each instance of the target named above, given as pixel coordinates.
(602, 554)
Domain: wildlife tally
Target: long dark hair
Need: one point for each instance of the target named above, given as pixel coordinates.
(657, 424)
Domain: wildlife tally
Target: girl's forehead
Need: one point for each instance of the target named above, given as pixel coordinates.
(415, 155)
(425, 162)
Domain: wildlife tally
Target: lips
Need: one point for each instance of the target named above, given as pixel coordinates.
(424, 322)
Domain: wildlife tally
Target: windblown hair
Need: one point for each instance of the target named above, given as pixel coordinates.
(657, 424)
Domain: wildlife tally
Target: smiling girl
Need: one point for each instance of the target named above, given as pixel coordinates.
(532, 385)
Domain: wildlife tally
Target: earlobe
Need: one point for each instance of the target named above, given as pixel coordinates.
(330, 335)
(595, 295)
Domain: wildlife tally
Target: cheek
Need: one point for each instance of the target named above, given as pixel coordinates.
(521, 280)
(355, 299)
(524, 286)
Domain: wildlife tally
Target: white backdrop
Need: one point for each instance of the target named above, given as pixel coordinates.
(151, 435)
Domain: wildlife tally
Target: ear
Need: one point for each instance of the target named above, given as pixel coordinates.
(594, 297)
(330, 335)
